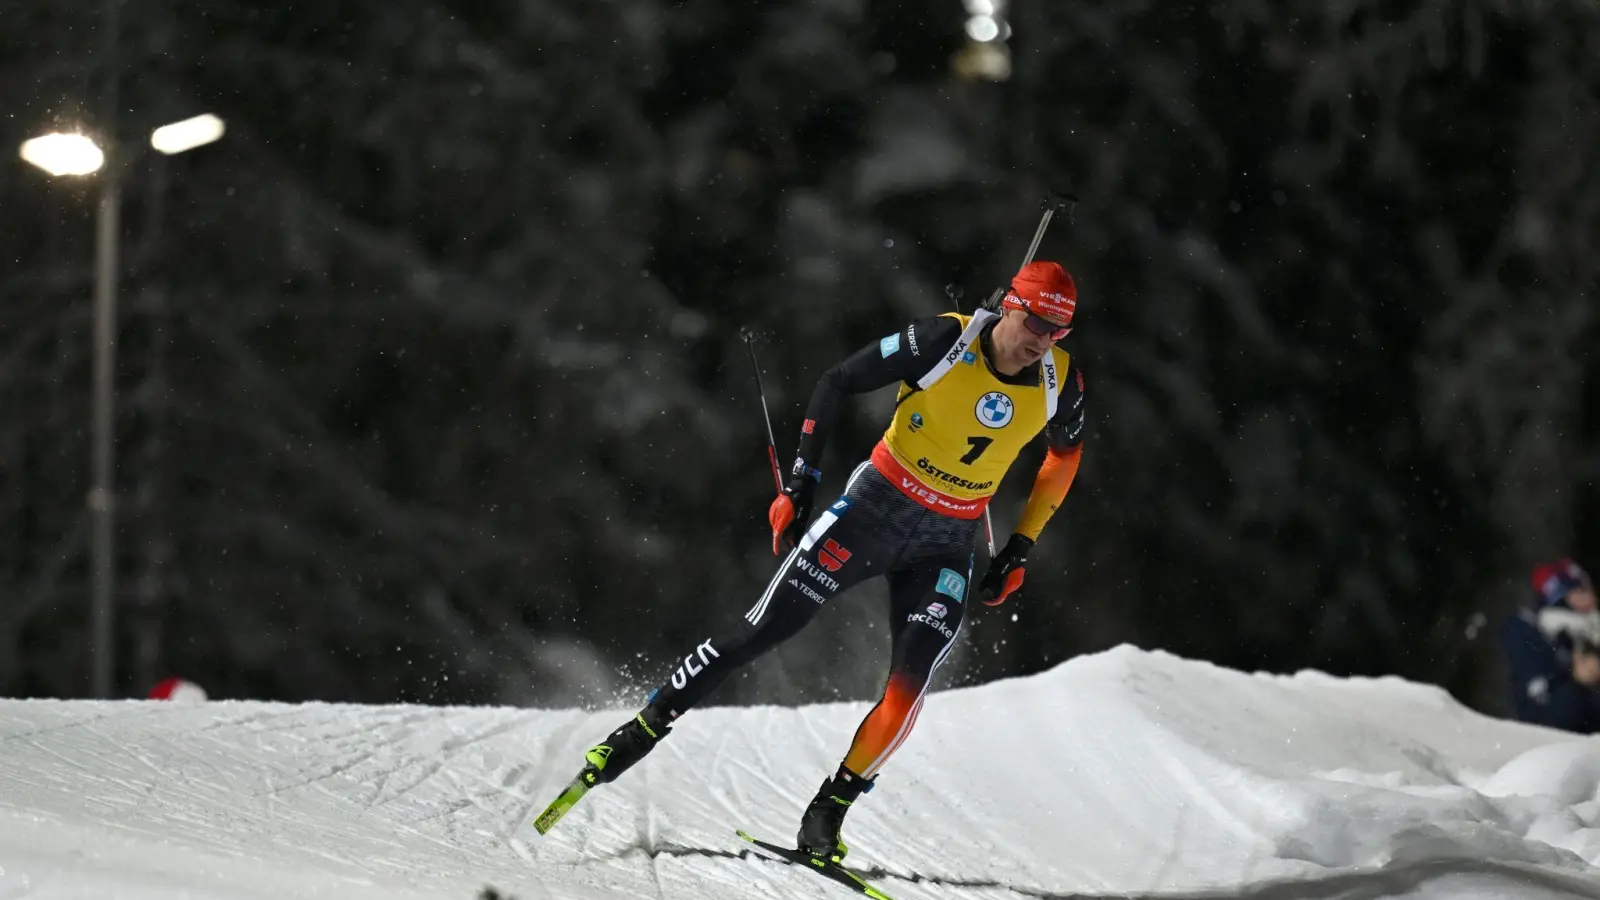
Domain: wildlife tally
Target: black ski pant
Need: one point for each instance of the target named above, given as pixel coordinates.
(872, 530)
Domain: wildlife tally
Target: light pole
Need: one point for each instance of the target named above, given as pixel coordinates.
(79, 155)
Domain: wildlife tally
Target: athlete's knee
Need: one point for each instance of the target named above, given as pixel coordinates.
(696, 662)
(736, 645)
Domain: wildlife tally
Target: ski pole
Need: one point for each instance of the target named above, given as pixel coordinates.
(772, 442)
(1051, 203)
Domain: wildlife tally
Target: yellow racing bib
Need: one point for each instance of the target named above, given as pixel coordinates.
(954, 437)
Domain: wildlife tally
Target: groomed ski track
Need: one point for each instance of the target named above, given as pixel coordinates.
(1124, 774)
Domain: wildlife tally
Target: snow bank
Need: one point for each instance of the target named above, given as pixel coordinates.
(1127, 773)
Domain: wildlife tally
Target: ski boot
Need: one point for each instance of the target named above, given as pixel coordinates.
(625, 746)
(608, 759)
(819, 826)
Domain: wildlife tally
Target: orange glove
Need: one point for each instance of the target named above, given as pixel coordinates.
(780, 515)
(790, 512)
(1005, 572)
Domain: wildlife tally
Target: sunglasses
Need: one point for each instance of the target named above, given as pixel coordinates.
(1045, 328)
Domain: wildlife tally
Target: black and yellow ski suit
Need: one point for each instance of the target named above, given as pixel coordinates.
(910, 512)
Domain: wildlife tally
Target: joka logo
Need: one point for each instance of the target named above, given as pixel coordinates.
(1050, 378)
(833, 557)
(956, 351)
(687, 669)
(995, 410)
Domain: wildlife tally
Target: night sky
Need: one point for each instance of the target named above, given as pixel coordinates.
(429, 383)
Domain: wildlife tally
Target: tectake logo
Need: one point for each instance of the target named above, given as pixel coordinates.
(995, 410)
(937, 623)
(938, 610)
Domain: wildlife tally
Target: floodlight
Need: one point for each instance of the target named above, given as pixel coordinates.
(983, 28)
(64, 154)
(188, 134)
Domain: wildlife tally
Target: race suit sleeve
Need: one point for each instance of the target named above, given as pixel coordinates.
(904, 356)
(1064, 433)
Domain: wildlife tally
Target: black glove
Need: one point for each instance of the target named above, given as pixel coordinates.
(790, 512)
(1005, 571)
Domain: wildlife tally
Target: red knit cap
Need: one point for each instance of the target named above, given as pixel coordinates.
(1552, 581)
(1046, 290)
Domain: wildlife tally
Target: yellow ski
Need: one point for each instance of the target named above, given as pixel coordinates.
(566, 800)
(827, 868)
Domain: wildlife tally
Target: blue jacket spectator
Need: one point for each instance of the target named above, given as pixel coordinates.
(1553, 647)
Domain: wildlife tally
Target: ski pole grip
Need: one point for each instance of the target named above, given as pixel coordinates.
(1057, 200)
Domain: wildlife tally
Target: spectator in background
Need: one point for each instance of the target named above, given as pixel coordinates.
(1553, 647)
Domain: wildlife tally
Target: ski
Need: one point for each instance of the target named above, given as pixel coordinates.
(564, 801)
(827, 868)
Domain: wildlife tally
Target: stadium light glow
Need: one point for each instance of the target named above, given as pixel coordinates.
(64, 154)
(985, 54)
(983, 29)
(187, 134)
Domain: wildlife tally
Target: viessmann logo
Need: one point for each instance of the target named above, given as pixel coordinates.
(917, 489)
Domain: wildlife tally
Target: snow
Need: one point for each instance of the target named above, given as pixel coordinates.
(1126, 773)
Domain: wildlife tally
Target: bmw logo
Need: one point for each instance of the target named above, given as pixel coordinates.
(995, 410)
